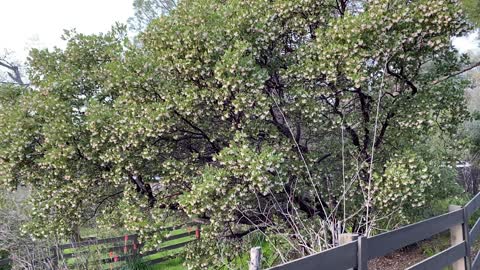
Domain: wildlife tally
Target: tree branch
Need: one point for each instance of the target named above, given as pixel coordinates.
(402, 78)
(14, 73)
(456, 73)
(244, 233)
(214, 145)
(143, 188)
(285, 130)
(384, 129)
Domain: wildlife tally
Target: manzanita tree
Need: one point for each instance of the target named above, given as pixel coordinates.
(297, 119)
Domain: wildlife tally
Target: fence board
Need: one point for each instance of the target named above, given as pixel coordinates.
(103, 250)
(130, 243)
(176, 227)
(120, 249)
(122, 238)
(95, 242)
(476, 262)
(5, 262)
(120, 258)
(474, 232)
(467, 239)
(362, 255)
(472, 205)
(385, 243)
(442, 259)
(175, 246)
(178, 236)
(123, 257)
(338, 258)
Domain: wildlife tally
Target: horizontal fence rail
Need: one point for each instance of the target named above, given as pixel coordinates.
(115, 250)
(475, 231)
(357, 253)
(476, 262)
(94, 242)
(472, 206)
(338, 258)
(385, 243)
(442, 259)
(5, 262)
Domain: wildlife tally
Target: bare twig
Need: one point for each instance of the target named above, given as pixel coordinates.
(468, 68)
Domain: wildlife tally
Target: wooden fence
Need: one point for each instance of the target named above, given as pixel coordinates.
(123, 248)
(356, 253)
(4, 262)
(116, 250)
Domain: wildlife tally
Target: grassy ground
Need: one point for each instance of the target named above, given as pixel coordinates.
(177, 261)
(174, 264)
(241, 262)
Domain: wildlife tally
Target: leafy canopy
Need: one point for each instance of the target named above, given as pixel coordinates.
(236, 113)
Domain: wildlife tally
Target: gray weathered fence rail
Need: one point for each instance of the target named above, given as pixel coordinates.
(357, 253)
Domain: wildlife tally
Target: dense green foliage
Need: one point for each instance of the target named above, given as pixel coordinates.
(472, 8)
(291, 117)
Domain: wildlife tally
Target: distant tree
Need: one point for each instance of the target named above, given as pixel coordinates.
(11, 69)
(472, 8)
(296, 119)
(147, 10)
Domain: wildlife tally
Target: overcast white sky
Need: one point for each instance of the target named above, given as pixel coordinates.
(27, 23)
(40, 23)
(469, 43)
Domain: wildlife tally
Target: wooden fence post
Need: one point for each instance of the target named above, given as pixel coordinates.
(362, 255)
(466, 236)
(345, 238)
(197, 232)
(255, 258)
(456, 237)
(135, 245)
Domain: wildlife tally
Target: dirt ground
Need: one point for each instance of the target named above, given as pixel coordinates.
(399, 260)
(408, 256)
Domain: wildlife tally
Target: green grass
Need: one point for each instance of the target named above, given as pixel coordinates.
(173, 264)
(178, 231)
(172, 242)
(436, 245)
(268, 256)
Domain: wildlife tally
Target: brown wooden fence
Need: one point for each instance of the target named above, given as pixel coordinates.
(4, 262)
(127, 247)
(115, 250)
(357, 253)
